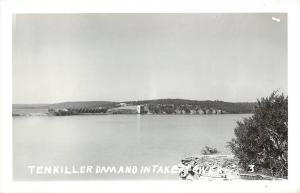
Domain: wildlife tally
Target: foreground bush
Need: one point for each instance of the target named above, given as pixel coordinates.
(262, 139)
(209, 150)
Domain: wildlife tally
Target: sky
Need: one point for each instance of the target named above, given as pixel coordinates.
(235, 57)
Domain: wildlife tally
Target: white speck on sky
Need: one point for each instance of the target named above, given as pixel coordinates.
(275, 19)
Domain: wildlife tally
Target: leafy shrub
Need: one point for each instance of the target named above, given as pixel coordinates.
(209, 151)
(262, 139)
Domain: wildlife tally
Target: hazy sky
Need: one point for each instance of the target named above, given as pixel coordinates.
(117, 57)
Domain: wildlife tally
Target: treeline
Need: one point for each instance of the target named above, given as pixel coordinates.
(168, 105)
(180, 109)
(76, 111)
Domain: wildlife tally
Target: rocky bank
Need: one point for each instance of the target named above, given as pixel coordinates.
(216, 167)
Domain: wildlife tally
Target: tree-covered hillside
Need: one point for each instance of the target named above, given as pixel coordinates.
(229, 107)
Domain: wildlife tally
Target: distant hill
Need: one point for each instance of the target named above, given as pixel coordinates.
(81, 104)
(84, 104)
(27, 109)
(30, 106)
(229, 107)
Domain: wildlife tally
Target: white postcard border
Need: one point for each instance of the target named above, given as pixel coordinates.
(8, 8)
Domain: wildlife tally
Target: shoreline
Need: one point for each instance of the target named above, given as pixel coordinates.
(87, 114)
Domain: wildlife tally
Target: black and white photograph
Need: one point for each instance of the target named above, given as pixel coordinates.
(150, 96)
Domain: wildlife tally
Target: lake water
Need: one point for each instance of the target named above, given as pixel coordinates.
(114, 140)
